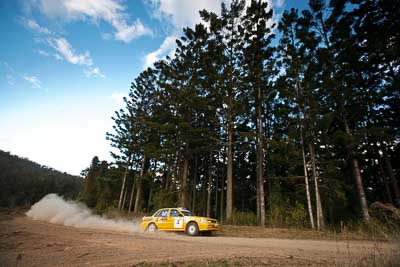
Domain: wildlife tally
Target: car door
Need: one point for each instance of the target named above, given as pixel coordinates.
(162, 219)
(175, 220)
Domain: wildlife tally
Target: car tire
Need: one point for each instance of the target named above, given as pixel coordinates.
(192, 229)
(152, 228)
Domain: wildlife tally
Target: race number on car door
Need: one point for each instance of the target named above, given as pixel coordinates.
(178, 223)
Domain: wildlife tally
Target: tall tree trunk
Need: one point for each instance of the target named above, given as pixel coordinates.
(123, 201)
(222, 196)
(260, 186)
(194, 185)
(258, 211)
(385, 183)
(358, 178)
(308, 194)
(209, 187)
(303, 153)
(167, 178)
(167, 171)
(184, 183)
(175, 171)
(229, 166)
(131, 198)
(393, 180)
(269, 192)
(138, 195)
(216, 194)
(320, 212)
(360, 188)
(123, 184)
(139, 186)
(310, 212)
(149, 200)
(260, 157)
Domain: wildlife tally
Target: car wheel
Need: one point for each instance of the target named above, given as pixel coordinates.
(152, 228)
(192, 229)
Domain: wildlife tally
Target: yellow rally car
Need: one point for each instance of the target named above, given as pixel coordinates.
(178, 220)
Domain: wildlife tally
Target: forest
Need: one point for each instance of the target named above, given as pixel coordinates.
(255, 120)
(24, 182)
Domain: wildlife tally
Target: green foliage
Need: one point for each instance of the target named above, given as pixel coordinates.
(242, 218)
(297, 216)
(102, 185)
(163, 198)
(228, 92)
(283, 214)
(24, 182)
(385, 223)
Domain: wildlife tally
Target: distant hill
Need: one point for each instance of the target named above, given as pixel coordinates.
(23, 182)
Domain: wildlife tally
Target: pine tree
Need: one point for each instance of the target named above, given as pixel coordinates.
(295, 59)
(258, 51)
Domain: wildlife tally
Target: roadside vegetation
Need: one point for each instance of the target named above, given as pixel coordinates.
(24, 182)
(290, 123)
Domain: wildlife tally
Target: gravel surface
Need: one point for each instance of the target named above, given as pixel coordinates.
(25, 242)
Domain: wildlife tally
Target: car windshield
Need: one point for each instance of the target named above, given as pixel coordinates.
(156, 214)
(187, 213)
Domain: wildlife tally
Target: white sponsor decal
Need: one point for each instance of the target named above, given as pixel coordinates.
(178, 223)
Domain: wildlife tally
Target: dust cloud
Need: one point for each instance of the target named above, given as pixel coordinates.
(54, 209)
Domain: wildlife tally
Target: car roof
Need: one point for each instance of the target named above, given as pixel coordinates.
(177, 208)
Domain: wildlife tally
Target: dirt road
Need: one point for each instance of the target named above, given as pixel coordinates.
(25, 242)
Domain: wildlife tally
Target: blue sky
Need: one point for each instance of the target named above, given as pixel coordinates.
(66, 64)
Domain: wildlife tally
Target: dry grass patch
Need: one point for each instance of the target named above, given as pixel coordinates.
(292, 233)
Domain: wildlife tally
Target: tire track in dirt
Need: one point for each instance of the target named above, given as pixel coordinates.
(25, 242)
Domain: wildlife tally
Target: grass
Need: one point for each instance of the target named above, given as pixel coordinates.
(368, 261)
(294, 233)
(378, 256)
(235, 261)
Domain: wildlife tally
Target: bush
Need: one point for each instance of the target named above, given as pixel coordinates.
(278, 215)
(282, 214)
(297, 216)
(384, 222)
(242, 218)
(163, 198)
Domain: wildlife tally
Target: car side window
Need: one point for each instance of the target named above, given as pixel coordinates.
(163, 213)
(157, 213)
(174, 213)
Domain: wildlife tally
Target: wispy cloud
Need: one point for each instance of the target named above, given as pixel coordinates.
(279, 3)
(94, 72)
(110, 11)
(118, 98)
(12, 76)
(42, 53)
(10, 79)
(34, 26)
(65, 51)
(178, 14)
(182, 13)
(167, 48)
(127, 33)
(33, 80)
